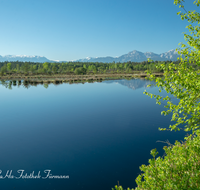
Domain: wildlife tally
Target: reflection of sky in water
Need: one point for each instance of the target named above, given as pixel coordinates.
(97, 133)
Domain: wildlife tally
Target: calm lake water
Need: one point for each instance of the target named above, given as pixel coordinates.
(95, 133)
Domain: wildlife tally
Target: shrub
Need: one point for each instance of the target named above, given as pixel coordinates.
(179, 169)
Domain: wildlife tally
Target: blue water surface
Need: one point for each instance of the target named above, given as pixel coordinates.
(98, 134)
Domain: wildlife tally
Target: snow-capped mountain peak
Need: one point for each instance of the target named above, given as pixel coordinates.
(136, 56)
(27, 58)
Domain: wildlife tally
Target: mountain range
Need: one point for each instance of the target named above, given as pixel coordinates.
(24, 58)
(134, 56)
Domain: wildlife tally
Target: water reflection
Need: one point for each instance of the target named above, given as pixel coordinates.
(9, 84)
(94, 133)
(132, 83)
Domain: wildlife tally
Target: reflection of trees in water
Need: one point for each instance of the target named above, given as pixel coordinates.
(24, 83)
(133, 83)
(10, 84)
(4, 83)
(46, 85)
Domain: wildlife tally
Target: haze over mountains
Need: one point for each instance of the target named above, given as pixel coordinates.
(134, 56)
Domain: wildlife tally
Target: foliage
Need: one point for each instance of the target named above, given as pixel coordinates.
(9, 66)
(182, 80)
(180, 167)
(120, 188)
(78, 67)
(80, 71)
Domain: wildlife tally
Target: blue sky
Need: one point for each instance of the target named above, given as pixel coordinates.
(74, 29)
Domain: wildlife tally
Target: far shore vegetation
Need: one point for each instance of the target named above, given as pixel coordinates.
(31, 73)
(18, 69)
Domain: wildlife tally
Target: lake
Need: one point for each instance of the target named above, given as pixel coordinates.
(94, 134)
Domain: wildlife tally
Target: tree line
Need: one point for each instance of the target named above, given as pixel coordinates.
(78, 68)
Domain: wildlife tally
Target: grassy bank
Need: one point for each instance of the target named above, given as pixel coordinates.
(72, 78)
(33, 80)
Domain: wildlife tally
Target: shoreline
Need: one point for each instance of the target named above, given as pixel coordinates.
(28, 81)
(68, 78)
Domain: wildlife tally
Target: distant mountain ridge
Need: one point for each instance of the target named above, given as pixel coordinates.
(135, 56)
(24, 58)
